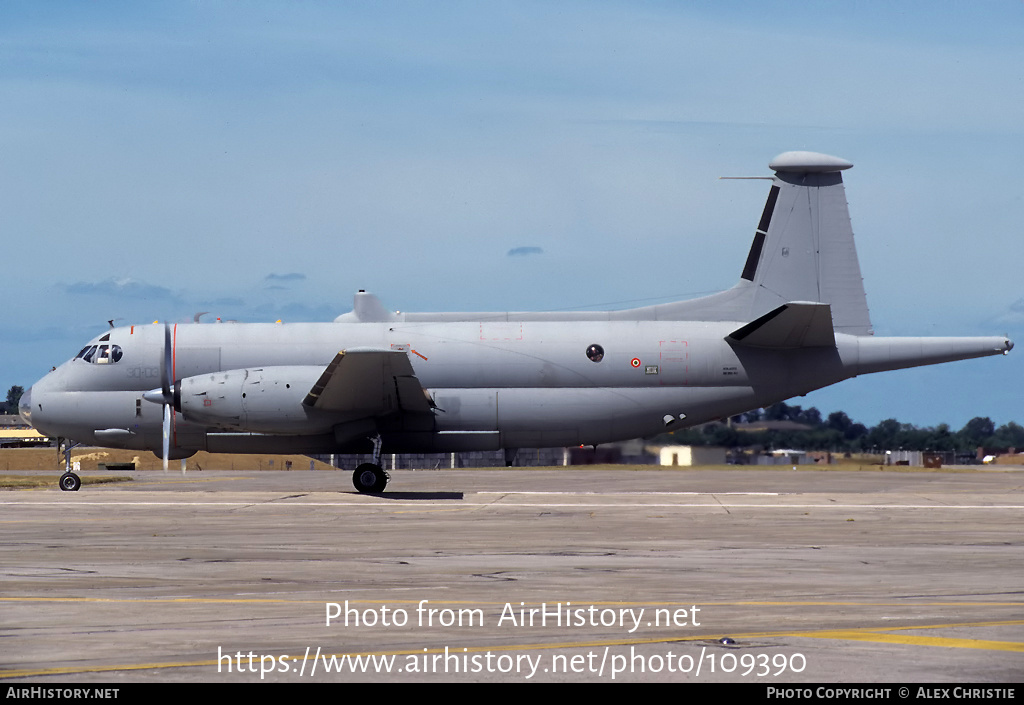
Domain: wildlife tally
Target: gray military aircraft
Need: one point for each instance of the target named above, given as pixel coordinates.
(442, 382)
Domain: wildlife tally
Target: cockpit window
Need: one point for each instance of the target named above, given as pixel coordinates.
(100, 354)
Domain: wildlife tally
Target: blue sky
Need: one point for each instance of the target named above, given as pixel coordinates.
(266, 160)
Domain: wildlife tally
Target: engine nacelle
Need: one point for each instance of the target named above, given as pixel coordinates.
(257, 400)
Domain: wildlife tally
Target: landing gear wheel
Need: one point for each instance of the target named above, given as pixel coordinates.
(70, 482)
(370, 479)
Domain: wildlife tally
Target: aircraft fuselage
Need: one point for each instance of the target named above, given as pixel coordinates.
(492, 383)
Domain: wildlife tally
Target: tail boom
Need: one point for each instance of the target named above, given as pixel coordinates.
(866, 354)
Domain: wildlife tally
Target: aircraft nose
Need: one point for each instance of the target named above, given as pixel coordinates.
(25, 406)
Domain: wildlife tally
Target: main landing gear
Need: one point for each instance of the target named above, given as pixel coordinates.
(370, 478)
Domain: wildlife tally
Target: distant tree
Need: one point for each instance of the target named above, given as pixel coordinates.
(13, 397)
(851, 431)
(839, 421)
(977, 431)
(941, 438)
(717, 435)
(885, 434)
(811, 417)
(840, 433)
(782, 412)
(1008, 436)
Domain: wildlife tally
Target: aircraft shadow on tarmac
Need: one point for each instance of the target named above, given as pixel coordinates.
(416, 495)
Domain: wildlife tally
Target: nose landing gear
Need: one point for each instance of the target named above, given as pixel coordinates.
(69, 481)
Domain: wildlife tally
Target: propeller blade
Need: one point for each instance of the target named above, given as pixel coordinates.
(166, 393)
(165, 367)
(167, 434)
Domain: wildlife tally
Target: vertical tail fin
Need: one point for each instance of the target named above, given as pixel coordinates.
(803, 248)
(803, 251)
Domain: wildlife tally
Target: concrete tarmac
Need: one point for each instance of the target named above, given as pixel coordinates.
(518, 575)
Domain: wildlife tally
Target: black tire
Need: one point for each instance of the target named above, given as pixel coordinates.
(370, 479)
(70, 482)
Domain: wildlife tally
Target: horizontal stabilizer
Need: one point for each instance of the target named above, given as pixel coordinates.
(368, 382)
(798, 324)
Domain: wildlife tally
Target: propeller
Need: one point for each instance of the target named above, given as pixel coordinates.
(165, 389)
(164, 395)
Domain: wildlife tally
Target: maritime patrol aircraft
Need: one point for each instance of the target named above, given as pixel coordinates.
(796, 321)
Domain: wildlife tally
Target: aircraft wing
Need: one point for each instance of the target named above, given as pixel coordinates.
(797, 324)
(369, 382)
